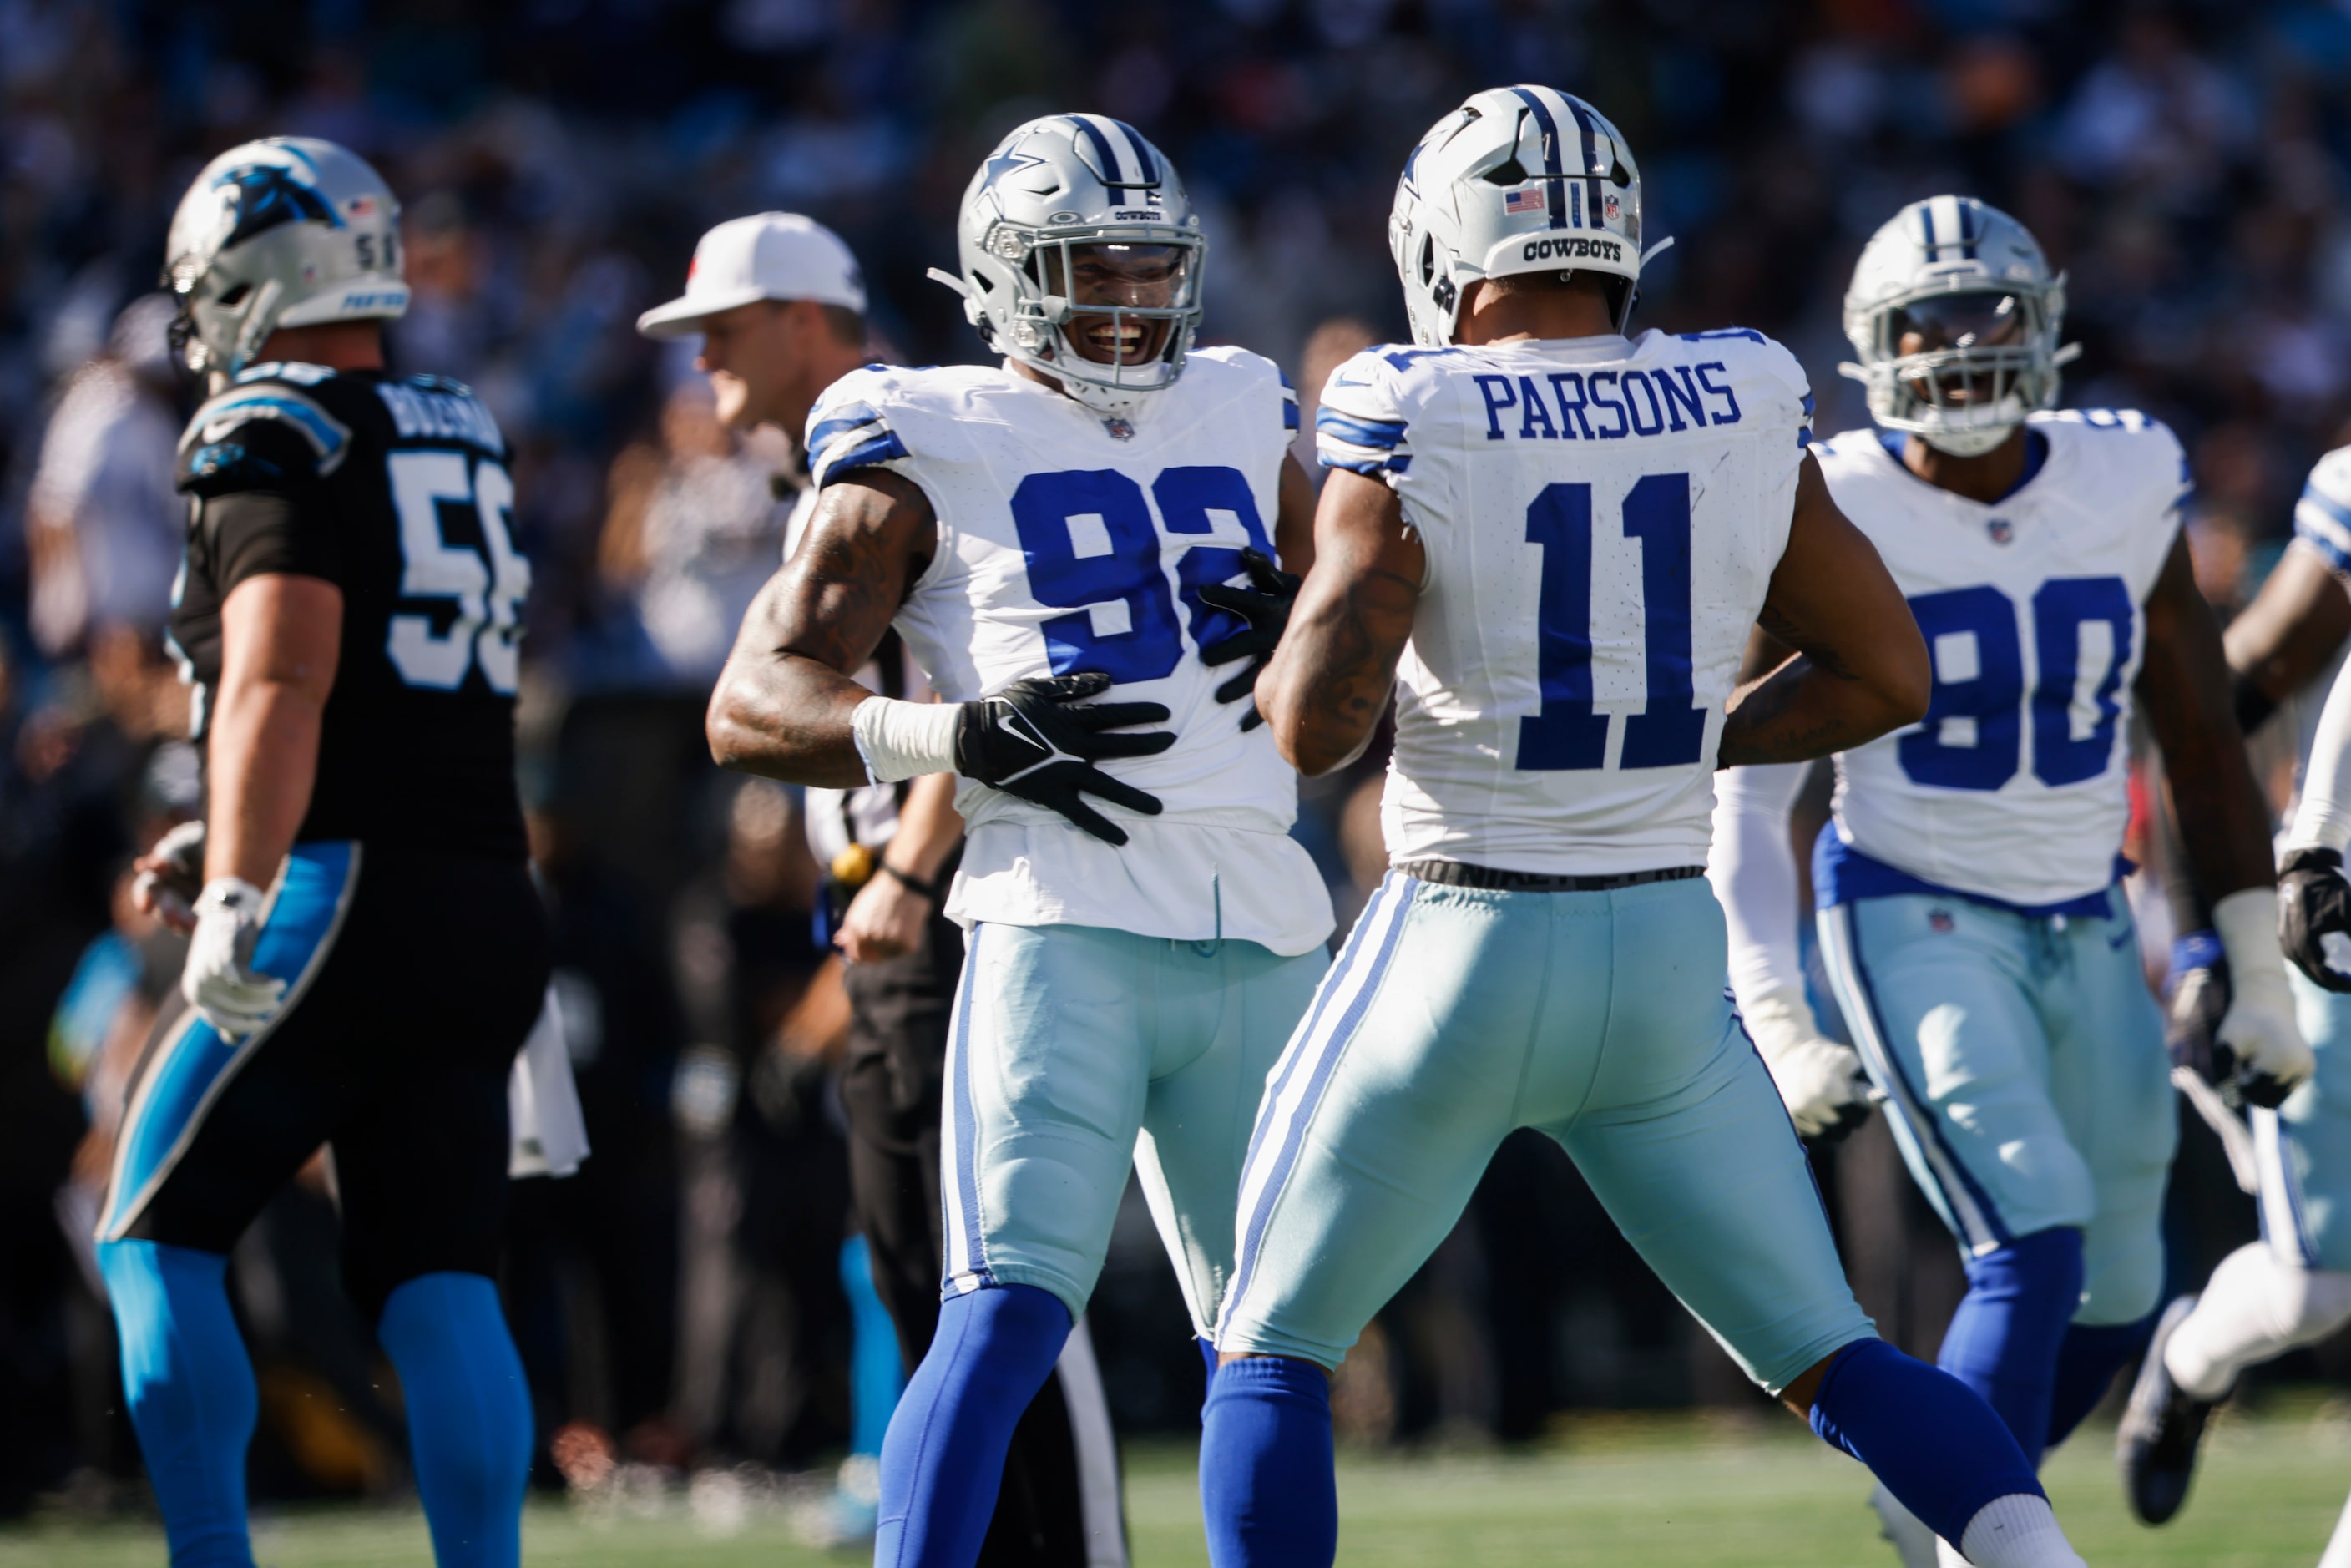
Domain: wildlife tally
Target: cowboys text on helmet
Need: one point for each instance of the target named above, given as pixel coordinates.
(285, 232)
(1517, 180)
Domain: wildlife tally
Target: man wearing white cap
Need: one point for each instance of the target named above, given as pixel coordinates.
(780, 306)
(779, 303)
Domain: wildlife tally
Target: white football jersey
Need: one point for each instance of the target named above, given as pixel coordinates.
(2321, 523)
(1601, 519)
(1069, 542)
(2013, 787)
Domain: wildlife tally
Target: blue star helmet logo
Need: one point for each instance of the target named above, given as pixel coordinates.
(1009, 162)
(268, 195)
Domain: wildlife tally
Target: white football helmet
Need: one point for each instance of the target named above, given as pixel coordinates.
(1076, 234)
(285, 232)
(1967, 286)
(1518, 179)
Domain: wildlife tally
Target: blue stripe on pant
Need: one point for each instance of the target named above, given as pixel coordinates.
(190, 1069)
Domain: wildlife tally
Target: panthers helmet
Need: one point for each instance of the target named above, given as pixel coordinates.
(1970, 285)
(1517, 180)
(1070, 193)
(289, 231)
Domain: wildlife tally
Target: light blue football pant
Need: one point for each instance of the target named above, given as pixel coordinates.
(1076, 1052)
(2303, 1149)
(1455, 1015)
(2024, 1072)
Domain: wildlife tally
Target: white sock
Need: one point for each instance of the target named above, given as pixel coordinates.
(2338, 1549)
(2019, 1531)
(1913, 1542)
(2254, 1308)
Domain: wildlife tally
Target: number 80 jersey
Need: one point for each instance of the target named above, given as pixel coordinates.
(1601, 520)
(1069, 542)
(394, 490)
(2012, 787)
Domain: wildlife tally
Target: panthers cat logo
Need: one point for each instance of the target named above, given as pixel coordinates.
(264, 195)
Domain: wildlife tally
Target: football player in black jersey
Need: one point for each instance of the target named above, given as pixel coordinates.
(368, 950)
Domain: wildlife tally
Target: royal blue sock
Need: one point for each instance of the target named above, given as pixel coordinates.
(2086, 1364)
(1266, 1485)
(876, 1371)
(190, 1387)
(2004, 1338)
(944, 1458)
(1938, 1447)
(468, 1415)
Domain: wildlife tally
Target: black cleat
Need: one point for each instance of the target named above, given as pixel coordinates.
(2156, 1443)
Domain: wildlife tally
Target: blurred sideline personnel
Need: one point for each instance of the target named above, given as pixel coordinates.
(1977, 941)
(1543, 520)
(2293, 1286)
(368, 949)
(1039, 532)
(780, 307)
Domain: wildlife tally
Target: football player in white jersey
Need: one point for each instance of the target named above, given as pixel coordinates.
(1551, 540)
(1979, 949)
(2293, 1286)
(1144, 934)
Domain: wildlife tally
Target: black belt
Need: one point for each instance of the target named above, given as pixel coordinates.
(1454, 873)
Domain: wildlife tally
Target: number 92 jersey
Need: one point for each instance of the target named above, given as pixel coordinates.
(394, 490)
(2012, 787)
(1070, 542)
(1601, 520)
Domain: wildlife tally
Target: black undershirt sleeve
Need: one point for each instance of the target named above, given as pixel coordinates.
(255, 533)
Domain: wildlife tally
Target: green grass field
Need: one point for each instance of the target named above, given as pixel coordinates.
(1659, 1492)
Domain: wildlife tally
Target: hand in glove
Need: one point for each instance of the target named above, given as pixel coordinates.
(1822, 1082)
(1265, 604)
(220, 979)
(1038, 740)
(171, 876)
(2314, 917)
(2258, 1043)
(2199, 987)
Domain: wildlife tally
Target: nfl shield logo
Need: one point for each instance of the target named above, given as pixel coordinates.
(1999, 530)
(1940, 920)
(1120, 429)
(1612, 206)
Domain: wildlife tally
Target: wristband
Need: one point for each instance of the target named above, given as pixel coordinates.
(905, 740)
(2247, 922)
(929, 890)
(2196, 950)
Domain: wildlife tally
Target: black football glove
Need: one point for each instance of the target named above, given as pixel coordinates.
(1265, 605)
(2313, 903)
(1038, 740)
(2200, 1000)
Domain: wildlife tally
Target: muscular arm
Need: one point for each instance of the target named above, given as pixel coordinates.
(783, 702)
(1329, 681)
(1861, 667)
(281, 639)
(2184, 689)
(2287, 634)
(1293, 524)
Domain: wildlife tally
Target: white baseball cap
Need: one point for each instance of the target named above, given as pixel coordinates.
(771, 256)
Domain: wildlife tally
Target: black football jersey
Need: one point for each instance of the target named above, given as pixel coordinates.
(395, 490)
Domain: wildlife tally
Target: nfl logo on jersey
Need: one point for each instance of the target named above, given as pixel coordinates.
(1120, 429)
(1999, 530)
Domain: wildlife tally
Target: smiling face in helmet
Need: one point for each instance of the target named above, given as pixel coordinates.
(1961, 323)
(1124, 278)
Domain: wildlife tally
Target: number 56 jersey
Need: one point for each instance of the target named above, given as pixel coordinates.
(1069, 542)
(1601, 519)
(395, 491)
(2012, 787)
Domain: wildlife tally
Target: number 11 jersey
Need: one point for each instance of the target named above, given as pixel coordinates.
(1601, 519)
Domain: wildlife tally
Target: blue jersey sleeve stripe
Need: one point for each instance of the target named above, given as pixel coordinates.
(2312, 496)
(883, 448)
(2326, 526)
(839, 424)
(1385, 433)
(1289, 414)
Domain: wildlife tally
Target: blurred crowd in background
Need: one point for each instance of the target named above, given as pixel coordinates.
(678, 1301)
